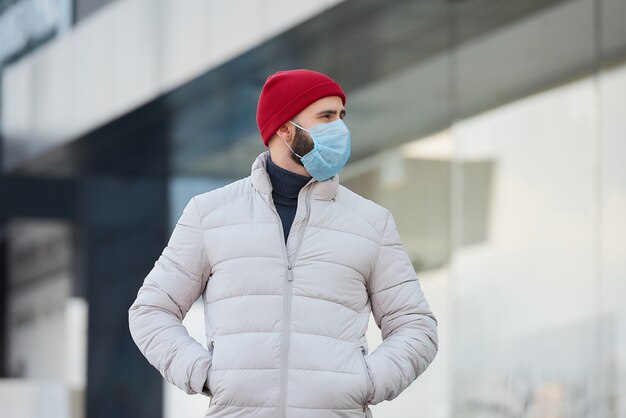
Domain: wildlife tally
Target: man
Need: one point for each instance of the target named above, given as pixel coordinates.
(289, 264)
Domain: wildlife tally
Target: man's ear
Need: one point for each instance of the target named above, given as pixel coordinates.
(285, 131)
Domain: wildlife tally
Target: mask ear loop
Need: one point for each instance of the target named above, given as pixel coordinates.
(293, 123)
(304, 129)
(292, 149)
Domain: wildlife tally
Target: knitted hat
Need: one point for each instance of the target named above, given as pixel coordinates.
(286, 93)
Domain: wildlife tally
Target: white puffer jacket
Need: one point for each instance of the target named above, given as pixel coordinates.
(285, 323)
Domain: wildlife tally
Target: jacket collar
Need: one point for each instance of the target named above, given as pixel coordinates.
(321, 190)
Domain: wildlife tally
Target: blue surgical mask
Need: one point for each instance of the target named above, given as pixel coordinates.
(331, 149)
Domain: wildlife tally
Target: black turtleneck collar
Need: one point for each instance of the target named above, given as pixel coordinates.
(285, 184)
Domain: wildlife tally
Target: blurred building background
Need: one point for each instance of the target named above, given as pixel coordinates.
(494, 130)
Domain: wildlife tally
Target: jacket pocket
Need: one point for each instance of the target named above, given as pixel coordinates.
(368, 413)
(210, 383)
(369, 385)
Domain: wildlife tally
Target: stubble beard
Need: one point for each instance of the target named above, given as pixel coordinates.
(302, 144)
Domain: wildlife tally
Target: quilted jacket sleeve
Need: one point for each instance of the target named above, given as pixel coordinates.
(408, 327)
(155, 318)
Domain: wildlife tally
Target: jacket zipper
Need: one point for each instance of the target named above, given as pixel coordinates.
(287, 299)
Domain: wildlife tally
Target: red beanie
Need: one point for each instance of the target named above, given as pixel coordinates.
(286, 93)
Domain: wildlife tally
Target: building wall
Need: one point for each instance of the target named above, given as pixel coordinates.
(124, 55)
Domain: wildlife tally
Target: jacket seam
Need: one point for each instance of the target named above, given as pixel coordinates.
(238, 224)
(395, 285)
(326, 371)
(360, 215)
(155, 285)
(345, 232)
(191, 274)
(322, 335)
(334, 408)
(249, 332)
(378, 255)
(207, 270)
(329, 301)
(239, 257)
(194, 277)
(227, 405)
(337, 264)
(246, 257)
(243, 295)
(293, 332)
(230, 202)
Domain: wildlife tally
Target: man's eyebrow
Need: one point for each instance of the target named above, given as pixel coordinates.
(331, 112)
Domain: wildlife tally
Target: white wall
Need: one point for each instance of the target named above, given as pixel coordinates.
(124, 55)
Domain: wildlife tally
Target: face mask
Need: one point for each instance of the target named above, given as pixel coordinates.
(331, 149)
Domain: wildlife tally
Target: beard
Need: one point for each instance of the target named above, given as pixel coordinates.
(302, 144)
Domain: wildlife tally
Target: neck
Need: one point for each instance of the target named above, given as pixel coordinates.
(286, 163)
(286, 184)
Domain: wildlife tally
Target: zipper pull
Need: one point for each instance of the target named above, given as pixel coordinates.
(289, 273)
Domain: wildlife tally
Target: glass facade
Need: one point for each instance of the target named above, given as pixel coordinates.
(515, 221)
(514, 214)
